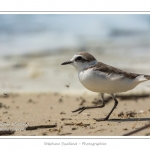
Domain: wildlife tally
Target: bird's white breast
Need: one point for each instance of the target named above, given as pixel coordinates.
(101, 82)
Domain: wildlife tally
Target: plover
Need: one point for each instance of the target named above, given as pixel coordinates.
(102, 78)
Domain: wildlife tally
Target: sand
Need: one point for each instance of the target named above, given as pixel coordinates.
(51, 112)
(40, 95)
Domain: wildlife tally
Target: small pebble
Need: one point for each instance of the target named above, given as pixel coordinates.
(74, 128)
(125, 129)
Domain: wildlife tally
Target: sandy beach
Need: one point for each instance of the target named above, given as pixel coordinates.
(38, 96)
(49, 114)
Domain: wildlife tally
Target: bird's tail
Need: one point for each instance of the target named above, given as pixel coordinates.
(142, 77)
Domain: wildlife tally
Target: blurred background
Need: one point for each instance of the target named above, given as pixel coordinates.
(32, 48)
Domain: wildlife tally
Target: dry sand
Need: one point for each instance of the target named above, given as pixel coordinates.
(19, 112)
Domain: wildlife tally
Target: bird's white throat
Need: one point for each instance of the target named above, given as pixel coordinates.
(81, 66)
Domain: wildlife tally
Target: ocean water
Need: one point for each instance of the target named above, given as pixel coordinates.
(21, 34)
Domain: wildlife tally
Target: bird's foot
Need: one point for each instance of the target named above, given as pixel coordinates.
(79, 109)
(101, 119)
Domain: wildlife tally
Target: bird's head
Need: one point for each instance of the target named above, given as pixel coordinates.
(81, 60)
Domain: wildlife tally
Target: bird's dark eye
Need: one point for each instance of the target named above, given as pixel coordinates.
(79, 58)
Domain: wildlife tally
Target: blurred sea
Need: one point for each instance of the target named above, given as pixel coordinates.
(21, 34)
(32, 48)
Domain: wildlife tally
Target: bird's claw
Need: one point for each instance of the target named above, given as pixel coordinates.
(79, 109)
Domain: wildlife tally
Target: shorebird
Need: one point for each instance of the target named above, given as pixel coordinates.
(102, 78)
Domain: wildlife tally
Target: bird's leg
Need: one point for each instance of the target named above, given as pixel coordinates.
(79, 110)
(107, 117)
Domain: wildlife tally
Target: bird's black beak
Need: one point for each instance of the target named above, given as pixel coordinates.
(66, 63)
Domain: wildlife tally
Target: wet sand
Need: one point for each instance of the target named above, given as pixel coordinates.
(43, 72)
(49, 114)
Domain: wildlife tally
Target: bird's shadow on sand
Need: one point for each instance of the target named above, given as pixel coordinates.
(129, 119)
